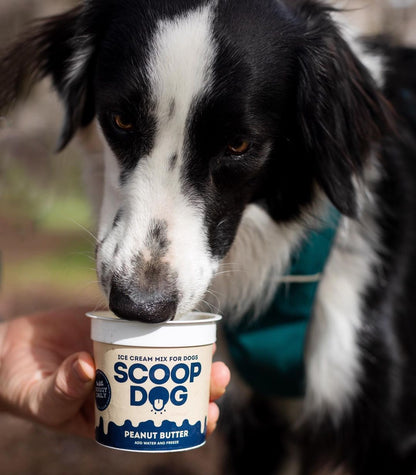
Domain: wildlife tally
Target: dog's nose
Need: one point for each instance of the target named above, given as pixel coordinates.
(141, 306)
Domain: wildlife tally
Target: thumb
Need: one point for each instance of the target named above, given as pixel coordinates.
(67, 389)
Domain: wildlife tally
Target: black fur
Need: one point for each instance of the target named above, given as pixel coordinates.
(335, 91)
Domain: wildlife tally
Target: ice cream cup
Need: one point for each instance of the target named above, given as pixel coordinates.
(152, 381)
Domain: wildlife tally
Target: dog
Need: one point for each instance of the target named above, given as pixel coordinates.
(227, 131)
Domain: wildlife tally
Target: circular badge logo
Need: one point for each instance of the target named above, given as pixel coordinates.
(102, 390)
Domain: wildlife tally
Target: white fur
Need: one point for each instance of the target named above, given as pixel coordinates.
(179, 67)
(333, 365)
(249, 274)
(332, 358)
(91, 144)
(79, 61)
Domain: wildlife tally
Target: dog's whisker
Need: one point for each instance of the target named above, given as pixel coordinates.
(100, 304)
(216, 296)
(89, 232)
(91, 283)
(212, 308)
(226, 272)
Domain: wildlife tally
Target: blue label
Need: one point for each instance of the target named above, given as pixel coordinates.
(148, 437)
(102, 390)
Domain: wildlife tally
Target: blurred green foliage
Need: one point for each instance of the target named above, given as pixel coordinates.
(50, 204)
(53, 200)
(68, 265)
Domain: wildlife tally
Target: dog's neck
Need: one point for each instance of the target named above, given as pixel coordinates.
(259, 259)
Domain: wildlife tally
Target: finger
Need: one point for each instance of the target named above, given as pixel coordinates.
(213, 416)
(64, 392)
(220, 378)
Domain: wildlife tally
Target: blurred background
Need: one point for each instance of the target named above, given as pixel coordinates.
(47, 246)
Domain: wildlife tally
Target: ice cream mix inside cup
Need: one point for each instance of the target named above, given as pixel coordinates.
(152, 381)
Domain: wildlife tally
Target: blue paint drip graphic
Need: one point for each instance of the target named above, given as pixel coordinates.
(148, 437)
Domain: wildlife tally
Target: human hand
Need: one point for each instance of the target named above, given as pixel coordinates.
(47, 371)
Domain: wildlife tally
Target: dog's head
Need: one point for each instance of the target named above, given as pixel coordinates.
(204, 108)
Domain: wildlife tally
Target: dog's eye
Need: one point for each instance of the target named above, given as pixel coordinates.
(238, 147)
(122, 123)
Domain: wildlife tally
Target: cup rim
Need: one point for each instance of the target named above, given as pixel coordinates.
(190, 318)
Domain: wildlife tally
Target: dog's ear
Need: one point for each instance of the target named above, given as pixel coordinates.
(59, 47)
(341, 111)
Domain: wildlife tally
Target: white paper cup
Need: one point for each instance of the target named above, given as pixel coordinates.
(152, 381)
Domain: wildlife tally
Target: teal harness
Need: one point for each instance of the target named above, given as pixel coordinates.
(269, 351)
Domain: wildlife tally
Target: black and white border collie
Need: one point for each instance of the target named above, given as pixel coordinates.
(226, 129)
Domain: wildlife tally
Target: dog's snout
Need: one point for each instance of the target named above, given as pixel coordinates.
(145, 307)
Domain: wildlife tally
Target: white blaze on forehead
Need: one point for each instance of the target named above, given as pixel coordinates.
(180, 61)
(179, 71)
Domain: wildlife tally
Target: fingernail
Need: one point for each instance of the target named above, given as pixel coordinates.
(84, 371)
